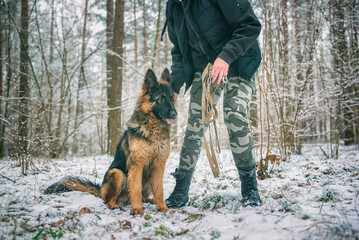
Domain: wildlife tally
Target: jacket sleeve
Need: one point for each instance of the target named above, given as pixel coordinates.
(246, 28)
(177, 68)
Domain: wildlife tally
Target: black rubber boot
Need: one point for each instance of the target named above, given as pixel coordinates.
(179, 196)
(249, 188)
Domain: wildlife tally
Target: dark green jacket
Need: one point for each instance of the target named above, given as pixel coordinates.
(230, 26)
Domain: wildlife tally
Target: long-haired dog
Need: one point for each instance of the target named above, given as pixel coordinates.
(137, 169)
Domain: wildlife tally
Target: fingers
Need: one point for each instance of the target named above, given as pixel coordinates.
(220, 77)
(219, 70)
(214, 73)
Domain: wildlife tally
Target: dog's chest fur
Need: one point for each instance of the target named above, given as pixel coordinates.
(149, 141)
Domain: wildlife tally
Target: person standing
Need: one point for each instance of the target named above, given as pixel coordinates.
(224, 33)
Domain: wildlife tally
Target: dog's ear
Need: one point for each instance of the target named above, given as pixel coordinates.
(166, 76)
(150, 79)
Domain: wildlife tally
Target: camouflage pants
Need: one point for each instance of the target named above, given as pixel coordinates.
(237, 94)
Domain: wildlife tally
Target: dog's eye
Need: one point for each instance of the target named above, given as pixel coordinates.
(161, 99)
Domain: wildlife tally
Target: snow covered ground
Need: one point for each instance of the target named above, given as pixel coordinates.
(308, 197)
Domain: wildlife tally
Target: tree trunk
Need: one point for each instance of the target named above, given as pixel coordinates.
(7, 40)
(109, 60)
(57, 148)
(339, 48)
(286, 130)
(1, 73)
(81, 82)
(24, 90)
(135, 32)
(156, 43)
(144, 35)
(51, 47)
(299, 75)
(309, 43)
(351, 66)
(115, 87)
(354, 63)
(51, 97)
(166, 48)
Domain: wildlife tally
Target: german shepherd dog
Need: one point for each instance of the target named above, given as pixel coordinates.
(138, 167)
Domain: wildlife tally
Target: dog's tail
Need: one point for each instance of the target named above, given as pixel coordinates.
(68, 184)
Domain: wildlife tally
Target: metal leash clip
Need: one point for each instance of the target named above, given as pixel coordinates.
(225, 79)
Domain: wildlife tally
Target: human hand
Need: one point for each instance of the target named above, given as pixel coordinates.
(175, 96)
(219, 70)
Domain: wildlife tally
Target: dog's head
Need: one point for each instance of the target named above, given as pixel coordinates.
(159, 95)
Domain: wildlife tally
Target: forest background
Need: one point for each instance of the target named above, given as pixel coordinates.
(71, 72)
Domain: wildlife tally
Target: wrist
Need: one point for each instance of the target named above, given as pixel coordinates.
(225, 57)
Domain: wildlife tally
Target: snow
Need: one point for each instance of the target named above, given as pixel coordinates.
(307, 197)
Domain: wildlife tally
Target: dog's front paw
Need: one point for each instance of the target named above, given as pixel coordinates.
(163, 208)
(112, 205)
(136, 211)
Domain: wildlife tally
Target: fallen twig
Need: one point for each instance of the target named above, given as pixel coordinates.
(7, 178)
(315, 224)
(325, 154)
(14, 220)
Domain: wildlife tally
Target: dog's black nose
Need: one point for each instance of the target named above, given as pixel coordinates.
(173, 114)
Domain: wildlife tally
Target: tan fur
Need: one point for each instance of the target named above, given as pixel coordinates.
(145, 105)
(146, 162)
(78, 186)
(111, 190)
(163, 81)
(141, 154)
(147, 157)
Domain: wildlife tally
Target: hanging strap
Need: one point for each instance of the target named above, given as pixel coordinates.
(163, 30)
(209, 117)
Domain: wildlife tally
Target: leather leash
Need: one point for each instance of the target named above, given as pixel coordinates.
(209, 117)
